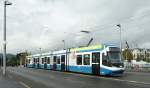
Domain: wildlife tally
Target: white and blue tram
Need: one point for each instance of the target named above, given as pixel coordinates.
(96, 59)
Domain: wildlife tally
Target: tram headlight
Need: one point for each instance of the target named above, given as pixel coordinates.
(109, 64)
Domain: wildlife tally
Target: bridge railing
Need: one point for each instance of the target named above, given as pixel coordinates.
(137, 67)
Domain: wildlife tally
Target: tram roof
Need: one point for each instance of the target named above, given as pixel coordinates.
(92, 47)
(97, 47)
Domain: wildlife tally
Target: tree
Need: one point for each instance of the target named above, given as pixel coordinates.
(22, 57)
(127, 55)
(18, 59)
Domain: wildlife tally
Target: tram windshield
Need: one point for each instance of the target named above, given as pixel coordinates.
(114, 56)
(112, 59)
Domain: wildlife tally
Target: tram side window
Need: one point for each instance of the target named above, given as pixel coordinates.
(58, 59)
(34, 60)
(48, 60)
(45, 60)
(104, 59)
(42, 60)
(29, 61)
(86, 59)
(79, 59)
(62, 58)
(96, 57)
(55, 58)
(37, 60)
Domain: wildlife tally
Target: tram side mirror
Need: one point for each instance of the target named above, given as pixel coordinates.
(105, 53)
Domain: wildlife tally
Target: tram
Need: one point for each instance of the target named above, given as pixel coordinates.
(97, 59)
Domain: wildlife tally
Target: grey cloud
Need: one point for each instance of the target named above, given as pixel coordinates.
(32, 24)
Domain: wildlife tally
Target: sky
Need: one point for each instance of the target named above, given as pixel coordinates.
(35, 24)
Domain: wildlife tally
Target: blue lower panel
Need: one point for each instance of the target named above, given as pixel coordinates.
(104, 71)
(30, 65)
(81, 69)
(48, 66)
(58, 67)
(42, 66)
(115, 73)
(36, 65)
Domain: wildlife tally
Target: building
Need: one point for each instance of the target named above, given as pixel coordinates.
(141, 54)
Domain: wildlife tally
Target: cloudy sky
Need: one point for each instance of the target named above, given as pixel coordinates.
(32, 24)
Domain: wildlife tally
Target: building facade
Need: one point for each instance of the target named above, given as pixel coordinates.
(140, 54)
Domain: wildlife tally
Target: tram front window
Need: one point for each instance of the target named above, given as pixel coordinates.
(114, 55)
(112, 59)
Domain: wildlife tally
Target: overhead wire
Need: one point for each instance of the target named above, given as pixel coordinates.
(113, 23)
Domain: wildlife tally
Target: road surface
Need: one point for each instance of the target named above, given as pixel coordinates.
(39, 78)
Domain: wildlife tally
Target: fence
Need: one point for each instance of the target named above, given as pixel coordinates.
(137, 67)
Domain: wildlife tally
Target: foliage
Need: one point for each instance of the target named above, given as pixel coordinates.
(127, 55)
(17, 59)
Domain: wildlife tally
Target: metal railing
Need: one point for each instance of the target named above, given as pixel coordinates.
(137, 67)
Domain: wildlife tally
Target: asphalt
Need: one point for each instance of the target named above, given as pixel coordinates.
(39, 78)
(136, 76)
(7, 82)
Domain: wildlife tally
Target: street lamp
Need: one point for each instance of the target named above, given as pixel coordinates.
(40, 51)
(64, 44)
(84, 31)
(6, 3)
(118, 25)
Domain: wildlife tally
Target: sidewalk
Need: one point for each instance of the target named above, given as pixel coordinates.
(8, 82)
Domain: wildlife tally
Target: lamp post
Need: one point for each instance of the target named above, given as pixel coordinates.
(6, 3)
(64, 44)
(118, 25)
(40, 57)
(40, 51)
(84, 31)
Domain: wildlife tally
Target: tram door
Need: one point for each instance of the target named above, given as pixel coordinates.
(33, 62)
(63, 63)
(54, 63)
(38, 65)
(96, 63)
(45, 63)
